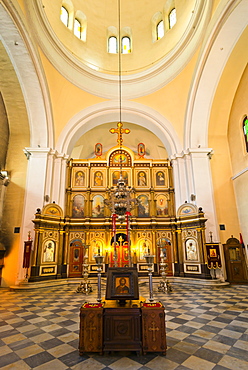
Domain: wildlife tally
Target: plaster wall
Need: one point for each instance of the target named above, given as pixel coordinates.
(238, 154)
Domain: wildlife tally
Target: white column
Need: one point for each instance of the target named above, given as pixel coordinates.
(202, 178)
(59, 178)
(49, 176)
(34, 196)
(180, 179)
(192, 175)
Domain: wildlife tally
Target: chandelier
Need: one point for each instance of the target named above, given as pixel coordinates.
(120, 198)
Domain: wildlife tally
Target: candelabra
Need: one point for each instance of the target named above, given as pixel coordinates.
(164, 285)
(99, 261)
(150, 262)
(85, 287)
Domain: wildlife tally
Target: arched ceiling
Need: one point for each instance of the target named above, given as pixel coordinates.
(84, 148)
(148, 67)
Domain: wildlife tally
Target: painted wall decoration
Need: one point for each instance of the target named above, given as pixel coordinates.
(160, 178)
(191, 249)
(96, 248)
(49, 251)
(142, 180)
(141, 149)
(120, 157)
(116, 176)
(161, 205)
(79, 179)
(143, 206)
(144, 248)
(78, 206)
(98, 178)
(98, 206)
(98, 149)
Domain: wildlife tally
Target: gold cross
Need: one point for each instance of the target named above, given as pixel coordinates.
(120, 240)
(153, 329)
(119, 131)
(91, 328)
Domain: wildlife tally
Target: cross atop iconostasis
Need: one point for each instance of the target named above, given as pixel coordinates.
(119, 131)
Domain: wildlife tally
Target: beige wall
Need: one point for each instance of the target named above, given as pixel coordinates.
(238, 154)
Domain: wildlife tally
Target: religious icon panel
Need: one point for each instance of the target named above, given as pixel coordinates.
(143, 206)
(142, 178)
(78, 206)
(98, 206)
(49, 251)
(161, 205)
(79, 177)
(98, 178)
(191, 250)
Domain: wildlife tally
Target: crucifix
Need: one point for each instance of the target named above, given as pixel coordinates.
(119, 131)
(153, 328)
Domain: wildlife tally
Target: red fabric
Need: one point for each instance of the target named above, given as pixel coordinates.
(92, 305)
(27, 254)
(152, 305)
(114, 216)
(241, 240)
(127, 224)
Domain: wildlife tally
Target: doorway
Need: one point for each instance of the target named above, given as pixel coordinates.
(235, 261)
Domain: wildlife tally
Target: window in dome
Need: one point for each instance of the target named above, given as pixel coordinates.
(160, 30)
(245, 131)
(77, 28)
(125, 45)
(64, 16)
(112, 45)
(172, 18)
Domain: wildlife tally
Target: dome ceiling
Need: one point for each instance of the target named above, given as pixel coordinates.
(87, 63)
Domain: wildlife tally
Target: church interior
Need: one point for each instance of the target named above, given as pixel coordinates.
(124, 147)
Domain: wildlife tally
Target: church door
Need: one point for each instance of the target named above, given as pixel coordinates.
(235, 261)
(121, 251)
(76, 258)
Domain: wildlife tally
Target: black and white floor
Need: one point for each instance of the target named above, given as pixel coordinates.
(206, 327)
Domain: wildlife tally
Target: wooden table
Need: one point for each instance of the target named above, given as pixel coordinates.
(137, 326)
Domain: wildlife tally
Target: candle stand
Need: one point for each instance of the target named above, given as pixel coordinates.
(85, 286)
(99, 262)
(150, 261)
(164, 285)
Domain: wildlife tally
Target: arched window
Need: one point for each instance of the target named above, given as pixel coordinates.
(112, 45)
(245, 131)
(160, 30)
(172, 18)
(125, 45)
(64, 16)
(77, 28)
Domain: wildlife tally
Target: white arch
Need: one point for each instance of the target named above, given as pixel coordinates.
(224, 31)
(27, 67)
(105, 112)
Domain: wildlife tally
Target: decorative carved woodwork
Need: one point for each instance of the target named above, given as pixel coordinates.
(153, 328)
(136, 327)
(90, 333)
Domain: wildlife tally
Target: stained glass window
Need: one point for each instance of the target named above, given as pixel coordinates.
(245, 131)
(172, 18)
(112, 45)
(64, 16)
(160, 30)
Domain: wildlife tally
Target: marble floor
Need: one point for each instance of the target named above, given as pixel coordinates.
(206, 328)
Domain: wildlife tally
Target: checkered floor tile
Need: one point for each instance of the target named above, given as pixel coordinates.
(207, 328)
